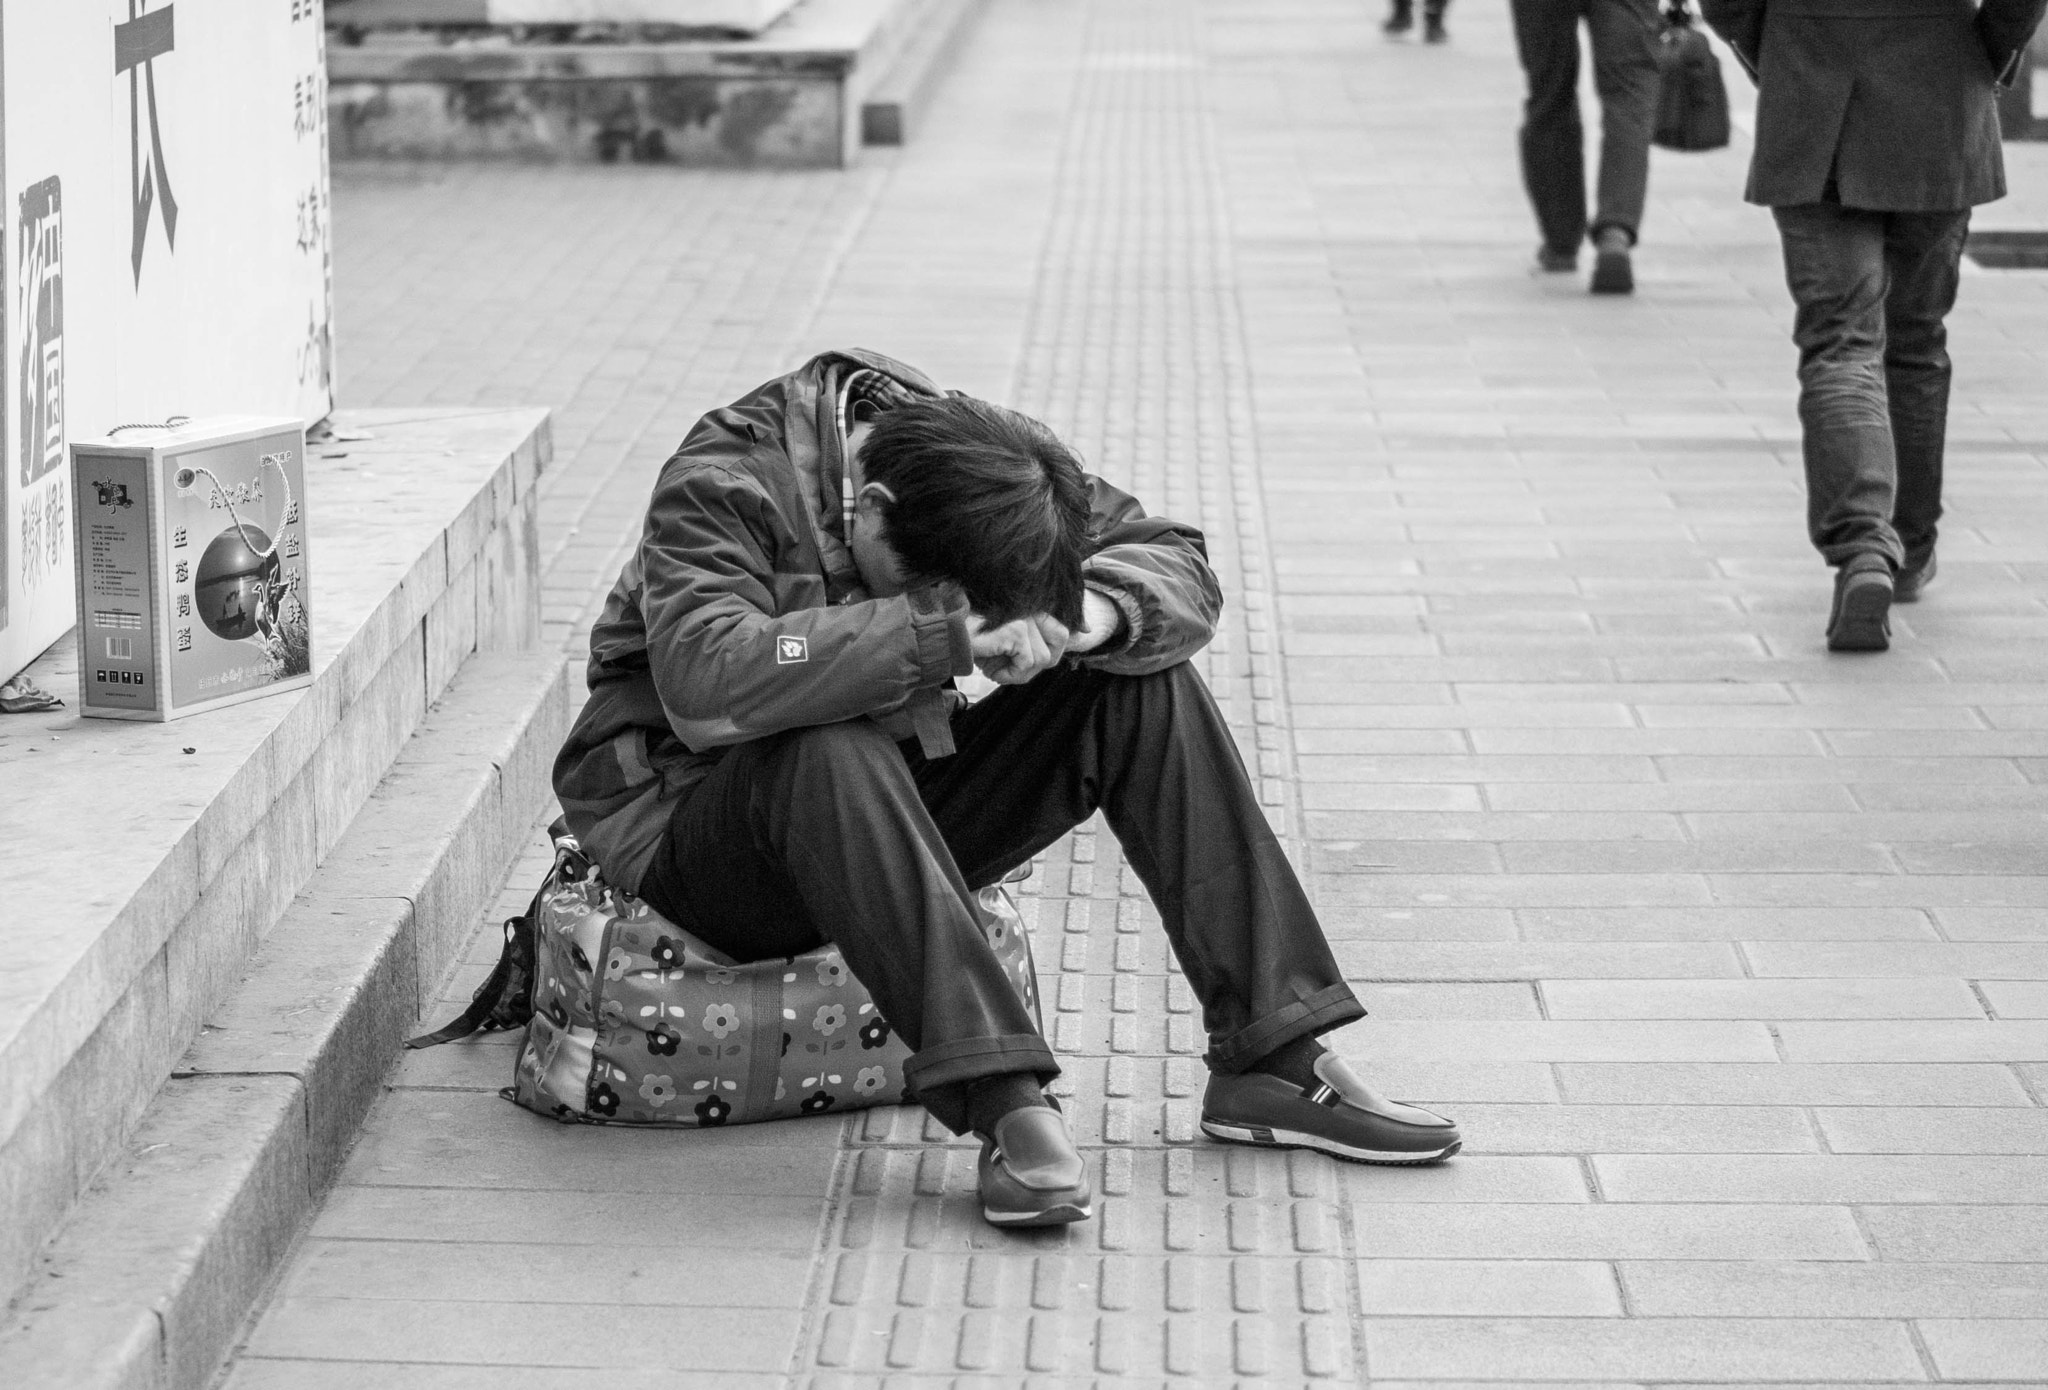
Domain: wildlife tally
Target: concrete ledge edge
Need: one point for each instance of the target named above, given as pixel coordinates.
(140, 927)
(896, 103)
(732, 61)
(150, 1279)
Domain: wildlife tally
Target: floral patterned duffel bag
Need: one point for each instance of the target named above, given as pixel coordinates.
(632, 1020)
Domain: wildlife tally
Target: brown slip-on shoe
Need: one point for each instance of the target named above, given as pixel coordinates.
(1031, 1174)
(1860, 620)
(1341, 1116)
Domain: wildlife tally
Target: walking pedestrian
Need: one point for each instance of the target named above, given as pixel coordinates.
(1876, 133)
(1403, 19)
(1624, 39)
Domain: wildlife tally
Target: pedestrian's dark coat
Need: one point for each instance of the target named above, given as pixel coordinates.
(1892, 99)
(741, 614)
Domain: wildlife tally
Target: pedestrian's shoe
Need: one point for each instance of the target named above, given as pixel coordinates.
(1340, 1116)
(1433, 30)
(1400, 21)
(1907, 583)
(1031, 1173)
(1861, 618)
(1553, 261)
(1612, 271)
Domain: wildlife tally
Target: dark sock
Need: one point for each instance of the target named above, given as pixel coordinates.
(1295, 1062)
(993, 1097)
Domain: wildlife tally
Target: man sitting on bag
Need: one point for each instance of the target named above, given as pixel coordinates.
(773, 753)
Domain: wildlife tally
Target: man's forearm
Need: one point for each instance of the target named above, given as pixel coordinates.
(728, 673)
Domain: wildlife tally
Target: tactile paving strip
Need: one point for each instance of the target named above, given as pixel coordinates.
(1203, 1264)
(1135, 352)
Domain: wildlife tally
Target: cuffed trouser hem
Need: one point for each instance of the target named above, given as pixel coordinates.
(1327, 1008)
(939, 1076)
(1837, 556)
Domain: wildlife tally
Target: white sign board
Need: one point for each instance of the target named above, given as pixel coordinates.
(163, 214)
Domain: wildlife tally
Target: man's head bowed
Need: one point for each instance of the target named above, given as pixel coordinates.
(984, 498)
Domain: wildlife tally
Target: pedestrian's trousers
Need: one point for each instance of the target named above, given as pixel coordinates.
(1872, 291)
(839, 833)
(1624, 37)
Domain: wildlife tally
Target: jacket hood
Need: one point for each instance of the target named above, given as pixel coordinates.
(816, 448)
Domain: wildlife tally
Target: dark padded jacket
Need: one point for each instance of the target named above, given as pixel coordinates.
(1892, 100)
(741, 614)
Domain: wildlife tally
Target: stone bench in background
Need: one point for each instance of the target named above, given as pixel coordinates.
(409, 79)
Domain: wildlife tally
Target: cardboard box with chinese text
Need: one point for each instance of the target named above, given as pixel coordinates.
(192, 566)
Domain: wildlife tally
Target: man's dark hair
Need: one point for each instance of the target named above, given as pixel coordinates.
(986, 499)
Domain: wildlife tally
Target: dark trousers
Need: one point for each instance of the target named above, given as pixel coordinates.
(1872, 290)
(839, 833)
(1624, 35)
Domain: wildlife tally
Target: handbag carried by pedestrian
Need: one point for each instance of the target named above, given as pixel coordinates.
(1692, 103)
(632, 1020)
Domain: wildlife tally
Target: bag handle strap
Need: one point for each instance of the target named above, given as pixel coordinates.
(505, 999)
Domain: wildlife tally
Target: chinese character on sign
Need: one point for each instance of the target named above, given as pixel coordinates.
(31, 530)
(45, 523)
(184, 605)
(145, 38)
(306, 105)
(56, 518)
(310, 238)
(178, 539)
(184, 571)
(39, 308)
(184, 639)
(316, 353)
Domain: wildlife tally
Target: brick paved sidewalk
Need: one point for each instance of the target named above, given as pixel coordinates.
(1731, 956)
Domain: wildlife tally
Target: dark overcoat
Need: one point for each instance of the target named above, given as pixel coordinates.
(1892, 99)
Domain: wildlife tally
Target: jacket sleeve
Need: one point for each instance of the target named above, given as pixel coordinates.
(2004, 27)
(1157, 573)
(728, 667)
(1741, 24)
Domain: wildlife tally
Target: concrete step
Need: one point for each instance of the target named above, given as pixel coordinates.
(160, 1263)
(895, 105)
(147, 862)
(790, 97)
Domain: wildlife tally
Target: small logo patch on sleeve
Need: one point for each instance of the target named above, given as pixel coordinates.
(790, 650)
